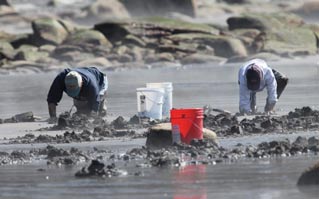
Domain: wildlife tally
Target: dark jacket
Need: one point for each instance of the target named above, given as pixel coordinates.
(93, 81)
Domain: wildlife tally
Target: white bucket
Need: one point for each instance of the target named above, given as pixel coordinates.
(150, 102)
(168, 96)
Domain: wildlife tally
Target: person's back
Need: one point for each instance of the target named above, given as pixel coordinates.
(87, 86)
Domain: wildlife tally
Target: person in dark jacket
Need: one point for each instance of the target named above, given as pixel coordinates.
(87, 86)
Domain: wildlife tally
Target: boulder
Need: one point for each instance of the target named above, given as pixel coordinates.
(294, 41)
(48, 30)
(6, 50)
(107, 9)
(264, 22)
(85, 37)
(29, 53)
(223, 46)
(265, 56)
(6, 9)
(159, 57)
(310, 176)
(236, 1)
(309, 8)
(154, 27)
(227, 47)
(21, 64)
(133, 40)
(160, 8)
(201, 58)
(47, 48)
(282, 33)
(98, 61)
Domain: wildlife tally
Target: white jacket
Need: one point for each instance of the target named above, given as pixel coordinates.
(268, 81)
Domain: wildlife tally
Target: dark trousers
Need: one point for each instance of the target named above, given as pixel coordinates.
(282, 82)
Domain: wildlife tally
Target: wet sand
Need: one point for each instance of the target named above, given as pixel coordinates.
(194, 86)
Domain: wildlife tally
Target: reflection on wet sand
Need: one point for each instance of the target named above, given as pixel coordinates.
(189, 182)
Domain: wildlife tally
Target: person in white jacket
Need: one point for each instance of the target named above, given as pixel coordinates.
(253, 77)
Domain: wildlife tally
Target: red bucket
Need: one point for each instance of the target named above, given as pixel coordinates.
(190, 123)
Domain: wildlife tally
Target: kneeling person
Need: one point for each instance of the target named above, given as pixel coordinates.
(253, 77)
(87, 86)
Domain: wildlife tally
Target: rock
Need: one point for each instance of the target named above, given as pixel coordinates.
(133, 40)
(30, 54)
(236, 129)
(47, 48)
(75, 56)
(160, 8)
(4, 3)
(264, 22)
(6, 8)
(313, 141)
(159, 57)
(6, 50)
(154, 27)
(107, 9)
(48, 31)
(134, 120)
(210, 135)
(236, 1)
(291, 42)
(137, 53)
(308, 8)
(95, 167)
(20, 40)
(24, 64)
(22, 117)
(119, 123)
(201, 58)
(98, 61)
(266, 124)
(268, 56)
(310, 176)
(229, 47)
(84, 37)
(283, 34)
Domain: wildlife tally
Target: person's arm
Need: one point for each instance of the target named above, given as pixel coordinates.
(52, 110)
(244, 99)
(93, 97)
(271, 85)
(244, 93)
(55, 93)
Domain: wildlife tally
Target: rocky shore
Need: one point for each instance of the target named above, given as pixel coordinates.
(81, 129)
(117, 37)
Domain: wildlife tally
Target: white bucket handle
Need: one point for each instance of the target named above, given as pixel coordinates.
(150, 98)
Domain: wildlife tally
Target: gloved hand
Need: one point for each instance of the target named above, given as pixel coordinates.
(52, 120)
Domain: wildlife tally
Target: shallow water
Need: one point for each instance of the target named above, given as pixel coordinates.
(256, 179)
